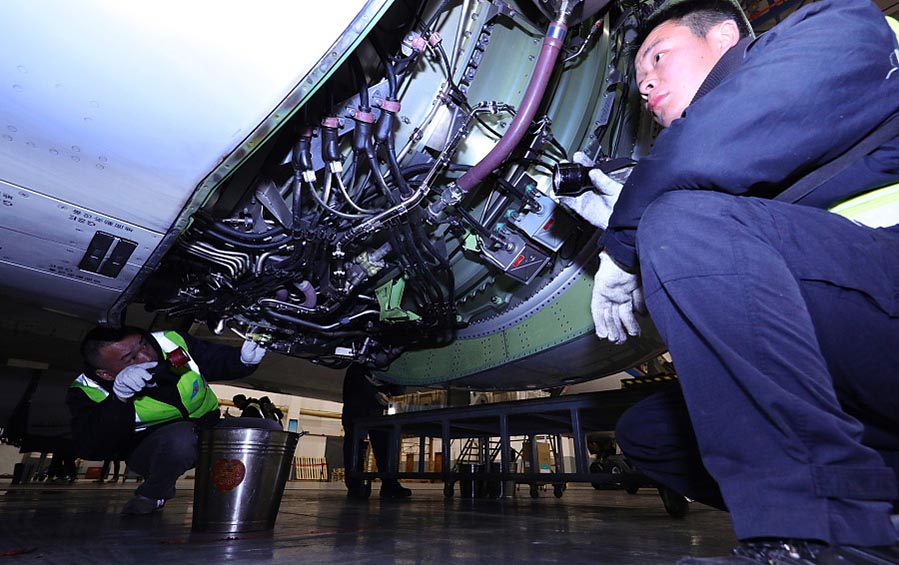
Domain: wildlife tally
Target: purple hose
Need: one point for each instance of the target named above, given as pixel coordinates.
(552, 44)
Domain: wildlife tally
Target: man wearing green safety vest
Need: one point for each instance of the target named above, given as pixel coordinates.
(144, 395)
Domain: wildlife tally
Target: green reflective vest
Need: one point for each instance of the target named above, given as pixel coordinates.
(196, 396)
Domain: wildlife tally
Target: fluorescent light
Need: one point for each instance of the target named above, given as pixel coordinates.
(26, 364)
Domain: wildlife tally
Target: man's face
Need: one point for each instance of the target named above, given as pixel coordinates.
(116, 356)
(671, 65)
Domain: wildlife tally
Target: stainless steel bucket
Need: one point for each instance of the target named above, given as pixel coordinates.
(240, 478)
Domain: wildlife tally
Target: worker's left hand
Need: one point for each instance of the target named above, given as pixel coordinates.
(617, 295)
(251, 353)
(595, 206)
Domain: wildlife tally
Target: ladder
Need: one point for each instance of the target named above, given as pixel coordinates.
(478, 451)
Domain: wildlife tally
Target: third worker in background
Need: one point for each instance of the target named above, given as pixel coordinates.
(363, 396)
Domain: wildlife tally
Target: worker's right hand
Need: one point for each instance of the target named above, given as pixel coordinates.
(594, 206)
(133, 379)
(617, 295)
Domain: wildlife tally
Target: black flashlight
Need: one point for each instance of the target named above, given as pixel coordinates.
(571, 179)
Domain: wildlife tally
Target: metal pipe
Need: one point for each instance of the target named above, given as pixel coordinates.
(307, 324)
(282, 304)
(454, 59)
(233, 261)
(349, 199)
(324, 205)
(260, 261)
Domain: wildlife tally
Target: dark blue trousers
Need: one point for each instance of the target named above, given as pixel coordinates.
(379, 447)
(783, 324)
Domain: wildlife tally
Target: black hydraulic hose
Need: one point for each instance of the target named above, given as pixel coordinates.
(376, 171)
(249, 237)
(302, 165)
(271, 313)
(413, 246)
(384, 128)
(513, 190)
(436, 15)
(483, 231)
(419, 297)
(397, 245)
(412, 171)
(439, 261)
(362, 133)
(403, 64)
(302, 151)
(367, 190)
(384, 131)
(418, 246)
(398, 178)
(445, 59)
(361, 84)
(297, 203)
(362, 137)
(360, 160)
(329, 147)
(389, 69)
(405, 253)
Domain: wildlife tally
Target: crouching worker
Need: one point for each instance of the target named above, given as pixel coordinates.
(145, 395)
(781, 317)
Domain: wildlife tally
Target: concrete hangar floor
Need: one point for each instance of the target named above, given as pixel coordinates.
(80, 523)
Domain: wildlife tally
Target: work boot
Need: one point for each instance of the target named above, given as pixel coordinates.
(800, 552)
(393, 489)
(141, 505)
(358, 493)
(781, 552)
(859, 555)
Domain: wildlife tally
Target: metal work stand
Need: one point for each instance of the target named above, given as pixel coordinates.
(571, 416)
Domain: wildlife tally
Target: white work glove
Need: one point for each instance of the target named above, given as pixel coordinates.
(133, 379)
(616, 296)
(594, 206)
(251, 353)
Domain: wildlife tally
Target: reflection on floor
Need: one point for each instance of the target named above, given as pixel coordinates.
(81, 524)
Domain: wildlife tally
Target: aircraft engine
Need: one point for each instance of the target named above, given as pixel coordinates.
(399, 212)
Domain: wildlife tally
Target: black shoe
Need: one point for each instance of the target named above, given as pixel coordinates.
(395, 491)
(141, 506)
(787, 552)
(358, 493)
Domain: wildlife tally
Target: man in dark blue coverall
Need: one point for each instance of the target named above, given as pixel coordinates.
(782, 319)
